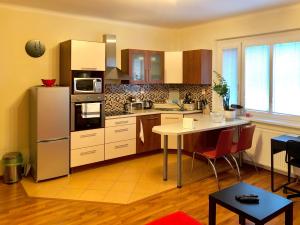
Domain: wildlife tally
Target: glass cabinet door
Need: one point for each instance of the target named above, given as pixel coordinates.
(138, 67)
(156, 67)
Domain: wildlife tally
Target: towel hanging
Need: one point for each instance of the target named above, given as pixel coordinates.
(142, 132)
(90, 110)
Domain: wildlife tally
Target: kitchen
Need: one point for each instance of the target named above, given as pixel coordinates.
(27, 72)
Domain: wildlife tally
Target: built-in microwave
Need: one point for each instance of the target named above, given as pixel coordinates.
(87, 85)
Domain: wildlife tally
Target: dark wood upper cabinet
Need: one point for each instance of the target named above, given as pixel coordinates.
(143, 66)
(197, 66)
(151, 140)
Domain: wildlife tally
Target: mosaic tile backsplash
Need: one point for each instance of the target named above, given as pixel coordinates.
(117, 95)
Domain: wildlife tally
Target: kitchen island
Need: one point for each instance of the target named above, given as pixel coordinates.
(202, 123)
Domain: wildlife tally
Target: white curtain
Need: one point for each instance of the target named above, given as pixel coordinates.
(286, 78)
(257, 73)
(230, 72)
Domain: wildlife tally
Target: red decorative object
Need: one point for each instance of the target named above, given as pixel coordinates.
(48, 82)
(177, 218)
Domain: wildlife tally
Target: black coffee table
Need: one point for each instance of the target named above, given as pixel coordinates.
(270, 205)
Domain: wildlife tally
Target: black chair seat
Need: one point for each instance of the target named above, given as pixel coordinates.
(295, 162)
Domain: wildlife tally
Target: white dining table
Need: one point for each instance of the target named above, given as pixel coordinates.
(202, 123)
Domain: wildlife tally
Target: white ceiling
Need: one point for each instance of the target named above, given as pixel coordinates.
(165, 13)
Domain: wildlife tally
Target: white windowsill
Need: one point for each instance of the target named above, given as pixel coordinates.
(290, 124)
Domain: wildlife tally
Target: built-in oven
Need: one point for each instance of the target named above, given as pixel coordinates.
(87, 111)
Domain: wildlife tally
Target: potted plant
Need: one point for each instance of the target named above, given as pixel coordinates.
(222, 89)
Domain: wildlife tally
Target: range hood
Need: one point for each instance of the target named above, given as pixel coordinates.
(113, 75)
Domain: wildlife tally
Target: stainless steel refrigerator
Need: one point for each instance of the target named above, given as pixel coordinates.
(50, 133)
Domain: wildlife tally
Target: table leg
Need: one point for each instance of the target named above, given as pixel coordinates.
(289, 215)
(242, 220)
(272, 169)
(165, 160)
(212, 212)
(179, 162)
(289, 169)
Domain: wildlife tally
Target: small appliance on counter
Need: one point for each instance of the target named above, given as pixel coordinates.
(133, 104)
(148, 104)
(201, 104)
(130, 106)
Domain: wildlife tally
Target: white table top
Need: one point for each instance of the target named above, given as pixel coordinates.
(203, 123)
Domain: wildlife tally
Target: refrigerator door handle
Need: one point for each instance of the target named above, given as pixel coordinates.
(54, 139)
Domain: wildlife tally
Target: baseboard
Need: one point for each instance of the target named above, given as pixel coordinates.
(268, 168)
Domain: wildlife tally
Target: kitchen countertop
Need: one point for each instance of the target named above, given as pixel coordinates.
(152, 111)
(202, 123)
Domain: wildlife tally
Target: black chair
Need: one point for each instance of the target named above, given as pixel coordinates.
(292, 158)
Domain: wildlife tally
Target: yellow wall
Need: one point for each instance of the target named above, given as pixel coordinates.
(204, 35)
(18, 71)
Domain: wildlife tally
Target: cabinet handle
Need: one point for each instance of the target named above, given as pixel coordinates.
(121, 146)
(153, 118)
(121, 130)
(88, 135)
(172, 118)
(121, 122)
(88, 152)
(89, 68)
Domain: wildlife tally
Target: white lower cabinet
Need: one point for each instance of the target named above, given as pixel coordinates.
(83, 156)
(120, 137)
(87, 147)
(120, 133)
(85, 138)
(120, 148)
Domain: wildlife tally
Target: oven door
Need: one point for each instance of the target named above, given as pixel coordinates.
(81, 122)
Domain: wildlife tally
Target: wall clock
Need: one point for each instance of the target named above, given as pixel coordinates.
(35, 48)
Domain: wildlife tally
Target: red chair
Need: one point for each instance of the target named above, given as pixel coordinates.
(222, 150)
(177, 218)
(244, 143)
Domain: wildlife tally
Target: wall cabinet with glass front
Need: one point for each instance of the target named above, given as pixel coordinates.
(143, 66)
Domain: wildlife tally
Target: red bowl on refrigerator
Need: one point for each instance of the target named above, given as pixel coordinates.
(48, 82)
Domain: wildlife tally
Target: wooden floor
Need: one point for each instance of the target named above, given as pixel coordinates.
(17, 208)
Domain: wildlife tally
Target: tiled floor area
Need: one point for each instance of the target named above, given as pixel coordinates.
(122, 182)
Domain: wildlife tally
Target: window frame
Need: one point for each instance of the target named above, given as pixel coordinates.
(241, 44)
(231, 44)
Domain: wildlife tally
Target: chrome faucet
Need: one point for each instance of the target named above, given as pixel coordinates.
(181, 106)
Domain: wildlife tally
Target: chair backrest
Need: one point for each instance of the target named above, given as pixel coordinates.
(293, 149)
(245, 139)
(224, 143)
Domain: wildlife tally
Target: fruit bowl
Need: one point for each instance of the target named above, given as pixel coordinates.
(48, 82)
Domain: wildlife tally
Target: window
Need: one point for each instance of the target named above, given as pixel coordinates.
(286, 78)
(230, 72)
(269, 76)
(257, 74)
